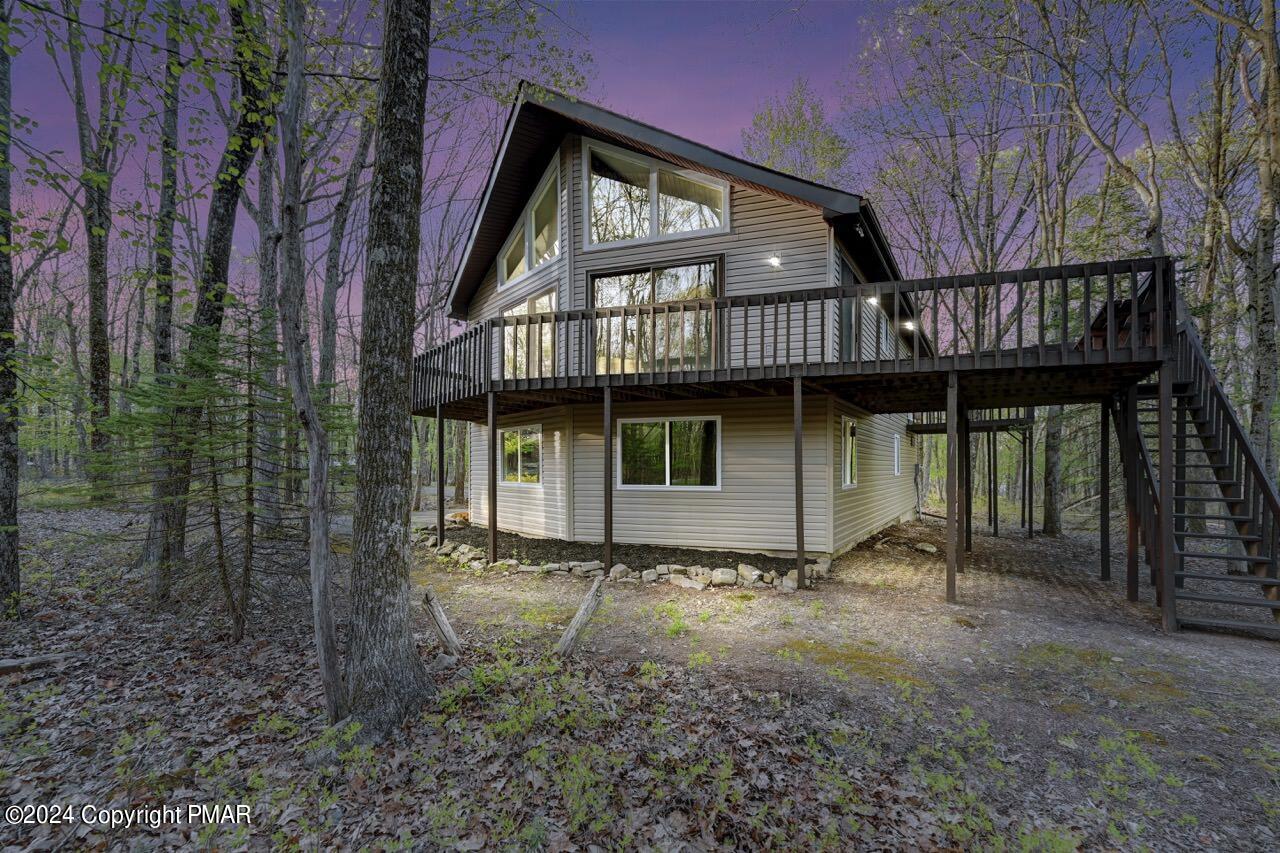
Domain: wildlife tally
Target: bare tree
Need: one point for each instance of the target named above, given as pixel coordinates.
(1259, 82)
(254, 68)
(100, 160)
(297, 349)
(10, 574)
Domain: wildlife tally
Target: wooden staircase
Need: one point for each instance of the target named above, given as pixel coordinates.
(1226, 512)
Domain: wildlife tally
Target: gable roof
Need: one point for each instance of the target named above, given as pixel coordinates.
(539, 120)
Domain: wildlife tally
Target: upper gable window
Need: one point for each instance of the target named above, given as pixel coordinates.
(632, 199)
(536, 237)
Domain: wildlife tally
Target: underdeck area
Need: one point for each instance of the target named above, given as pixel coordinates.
(950, 350)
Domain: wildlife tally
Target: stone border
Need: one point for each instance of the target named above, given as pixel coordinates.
(688, 577)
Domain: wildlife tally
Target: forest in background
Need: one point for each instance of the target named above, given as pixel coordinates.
(189, 284)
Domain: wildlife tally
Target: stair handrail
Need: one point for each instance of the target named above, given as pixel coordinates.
(1267, 487)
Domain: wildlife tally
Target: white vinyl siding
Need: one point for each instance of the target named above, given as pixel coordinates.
(882, 497)
(753, 508)
(533, 510)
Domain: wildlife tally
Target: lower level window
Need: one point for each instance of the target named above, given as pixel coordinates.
(669, 453)
(521, 454)
(849, 452)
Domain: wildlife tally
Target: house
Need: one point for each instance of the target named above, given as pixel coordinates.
(669, 345)
(589, 210)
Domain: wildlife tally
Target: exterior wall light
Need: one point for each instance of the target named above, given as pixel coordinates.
(873, 300)
(775, 261)
(909, 325)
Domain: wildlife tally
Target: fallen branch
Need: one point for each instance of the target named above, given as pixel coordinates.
(564, 648)
(34, 662)
(440, 624)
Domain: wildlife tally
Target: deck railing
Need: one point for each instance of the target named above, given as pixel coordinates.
(1073, 314)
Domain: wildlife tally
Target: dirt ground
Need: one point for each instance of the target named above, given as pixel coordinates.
(1042, 712)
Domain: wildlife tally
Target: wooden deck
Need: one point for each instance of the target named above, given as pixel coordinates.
(1022, 337)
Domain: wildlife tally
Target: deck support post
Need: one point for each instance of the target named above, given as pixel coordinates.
(1168, 554)
(494, 450)
(966, 477)
(1104, 492)
(439, 475)
(608, 478)
(953, 471)
(1129, 428)
(1031, 475)
(993, 455)
(797, 426)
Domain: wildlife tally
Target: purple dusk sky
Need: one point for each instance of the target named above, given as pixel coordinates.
(701, 69)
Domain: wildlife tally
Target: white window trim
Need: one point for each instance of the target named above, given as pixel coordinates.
(502, 458)
(666, 455)
(897, 454)
(653, 165)
(845, 422)
(524, 228)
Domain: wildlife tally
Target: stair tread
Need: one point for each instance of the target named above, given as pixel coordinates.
(1238, 624)
(1241, 537)
(1211, 517)
(1206, 482)
(1207, 576)
(1237, 600)
(1210, 555)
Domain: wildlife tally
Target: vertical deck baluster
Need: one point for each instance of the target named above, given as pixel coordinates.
(1064, 315)
(1135, 319)
(1020, 311)
(1111, 311)
(1040, 286)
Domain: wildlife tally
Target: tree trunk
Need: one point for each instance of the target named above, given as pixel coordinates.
(254, 70)
(298, 366)
(10, 576)
(268, 431)
(156, 557)
(386, 675)
(333, 262)
(1053, 471)
(425, 430)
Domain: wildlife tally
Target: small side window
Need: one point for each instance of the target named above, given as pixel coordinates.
(849, 452)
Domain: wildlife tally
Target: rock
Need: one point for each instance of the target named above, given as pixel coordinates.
(700, 573)
(769, 578)
(429, 541)
(663, 570)
(619, 572)
(686, 582)
(724, 577)
(447, 548)
(819, 569)
(788, 582)
(677, 570)
(926, 547)
(582, 570)
(524, 568)
(748, 575)
(478, 565)
(649, 575)
(504, 565)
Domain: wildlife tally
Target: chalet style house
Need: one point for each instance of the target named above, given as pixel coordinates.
(669, 345)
